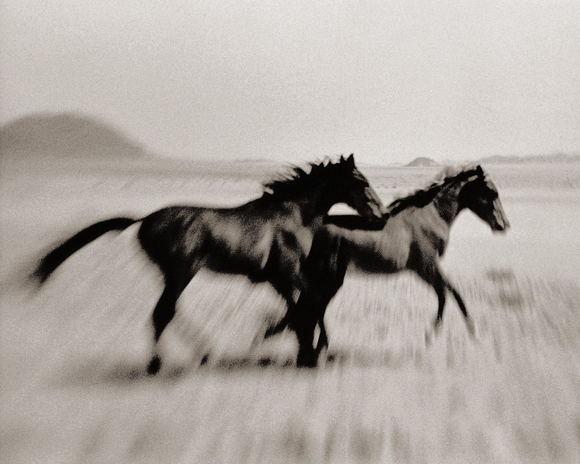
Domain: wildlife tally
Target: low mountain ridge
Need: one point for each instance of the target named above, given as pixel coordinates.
(422, 161)
(68, 135)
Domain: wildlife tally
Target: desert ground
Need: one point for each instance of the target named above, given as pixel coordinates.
(73, 353)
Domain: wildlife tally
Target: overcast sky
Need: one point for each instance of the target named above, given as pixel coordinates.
(389, 80)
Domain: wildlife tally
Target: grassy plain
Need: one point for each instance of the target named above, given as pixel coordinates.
(73, 353)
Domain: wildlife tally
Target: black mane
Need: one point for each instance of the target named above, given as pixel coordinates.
(424, 196)
(297, 181)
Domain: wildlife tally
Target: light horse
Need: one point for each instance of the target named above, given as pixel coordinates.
(266, 239)
(414, 237)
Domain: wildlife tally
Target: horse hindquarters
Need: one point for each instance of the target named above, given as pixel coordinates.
(175, 283)
(179, 258)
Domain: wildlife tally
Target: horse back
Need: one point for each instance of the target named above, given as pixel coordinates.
(235, 240)
(376, 251)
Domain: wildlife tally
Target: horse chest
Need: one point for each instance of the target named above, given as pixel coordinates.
(426, 223)
(431, 235)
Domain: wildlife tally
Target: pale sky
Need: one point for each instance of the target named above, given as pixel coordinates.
(389, 80)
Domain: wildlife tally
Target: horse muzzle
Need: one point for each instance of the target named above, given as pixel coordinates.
(501, 222)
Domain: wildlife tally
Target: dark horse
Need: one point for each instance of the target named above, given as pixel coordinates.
(266, 239)
(414, 237)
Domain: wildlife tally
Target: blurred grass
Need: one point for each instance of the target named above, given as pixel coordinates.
(73, 354)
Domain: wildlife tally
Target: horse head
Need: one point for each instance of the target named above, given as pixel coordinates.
(327, 184)
(348, 185)
(480, 195)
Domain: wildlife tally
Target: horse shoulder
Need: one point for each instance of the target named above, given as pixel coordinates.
(296, 239)
(395, 241)
(295, 233)
(430, 231)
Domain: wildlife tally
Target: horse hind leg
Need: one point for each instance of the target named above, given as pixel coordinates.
(165, 309)
(302, 323)
(162, 315)
(287, 292)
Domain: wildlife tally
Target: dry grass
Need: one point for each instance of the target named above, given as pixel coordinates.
(74, 353)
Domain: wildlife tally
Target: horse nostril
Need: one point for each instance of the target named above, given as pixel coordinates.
(499, 227)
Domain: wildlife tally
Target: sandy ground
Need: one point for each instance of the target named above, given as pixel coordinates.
(73, 353)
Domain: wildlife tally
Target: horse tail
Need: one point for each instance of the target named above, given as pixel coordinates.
(57, 256)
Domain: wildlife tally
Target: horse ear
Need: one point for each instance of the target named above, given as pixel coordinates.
(479, 170)
(350, 160)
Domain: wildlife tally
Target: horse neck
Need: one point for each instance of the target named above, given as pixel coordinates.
(446, 202)
(310, 205)
(314, 205)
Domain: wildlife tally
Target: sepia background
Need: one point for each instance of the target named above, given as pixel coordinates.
(389, 80)
(121, 108)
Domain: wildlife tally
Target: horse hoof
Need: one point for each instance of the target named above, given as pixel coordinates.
(305, 365)
(308, 361)
(154, 365)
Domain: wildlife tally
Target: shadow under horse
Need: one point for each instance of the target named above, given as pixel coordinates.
(266, 239)
(414, 237)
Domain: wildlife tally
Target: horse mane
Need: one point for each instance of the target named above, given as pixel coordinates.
(424, 196)
(296, 180)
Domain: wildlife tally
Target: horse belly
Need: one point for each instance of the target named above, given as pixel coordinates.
(387, 255)
(240, 251)
(376, 264)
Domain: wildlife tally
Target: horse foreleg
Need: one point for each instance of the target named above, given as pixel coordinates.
(325, 279)
(432, 275)
(308, 312)
(322, 337)
(461, 304)
(332, 289)
(319, 309)
(304, 328)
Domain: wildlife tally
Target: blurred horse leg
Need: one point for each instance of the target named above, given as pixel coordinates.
(430, 273)
(461, 304)
(175, 283)
(326, 268)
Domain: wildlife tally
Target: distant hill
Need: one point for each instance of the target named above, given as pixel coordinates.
(555, 158)
(422, 162)
(66, 135)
